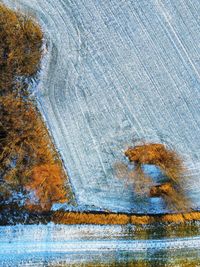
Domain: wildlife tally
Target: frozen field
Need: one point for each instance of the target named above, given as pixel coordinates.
(59, 245)
(116, 71)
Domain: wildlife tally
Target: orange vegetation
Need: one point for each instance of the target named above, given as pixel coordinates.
(20, 48)
(169, 163)
(173, 196)
(157, 154)
(158, 190)
(28, 160)
(62, 217)
(48, 183)
(89, 218)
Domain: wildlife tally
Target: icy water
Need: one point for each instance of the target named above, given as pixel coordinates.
(87, 245)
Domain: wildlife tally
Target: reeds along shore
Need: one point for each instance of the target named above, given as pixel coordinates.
(62, 217)
(30, 169)
(34, 216)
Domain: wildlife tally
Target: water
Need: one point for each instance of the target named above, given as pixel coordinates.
(90, 245)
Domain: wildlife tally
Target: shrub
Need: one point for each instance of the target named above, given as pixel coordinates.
(170, 164)
(157, 154)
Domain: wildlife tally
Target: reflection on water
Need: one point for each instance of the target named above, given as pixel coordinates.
(94, 245)
(156, 259)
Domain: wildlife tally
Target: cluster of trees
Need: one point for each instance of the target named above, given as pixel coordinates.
(157, 154)
(30, 170)
(170, 164)
(20, 49)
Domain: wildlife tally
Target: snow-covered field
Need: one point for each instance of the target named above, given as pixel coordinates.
(62, 245)
(116, 71)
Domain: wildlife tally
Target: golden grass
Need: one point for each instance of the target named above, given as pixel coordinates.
(89, 218)
(62, 217)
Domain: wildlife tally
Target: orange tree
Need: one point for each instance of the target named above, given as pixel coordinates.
(27, 156)
(169, 162)
(20, 49)
(28, 160)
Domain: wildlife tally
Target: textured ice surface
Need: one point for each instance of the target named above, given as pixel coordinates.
(51, 245)
(118, 71)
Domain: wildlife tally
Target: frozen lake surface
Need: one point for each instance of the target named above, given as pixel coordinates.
(117, 71)
(64, 245)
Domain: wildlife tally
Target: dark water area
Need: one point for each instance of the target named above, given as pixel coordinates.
(95, 245)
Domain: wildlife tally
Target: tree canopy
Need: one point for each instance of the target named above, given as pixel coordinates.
(29, 164)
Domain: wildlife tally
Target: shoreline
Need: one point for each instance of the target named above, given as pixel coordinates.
(26, 217)
(104, 218)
